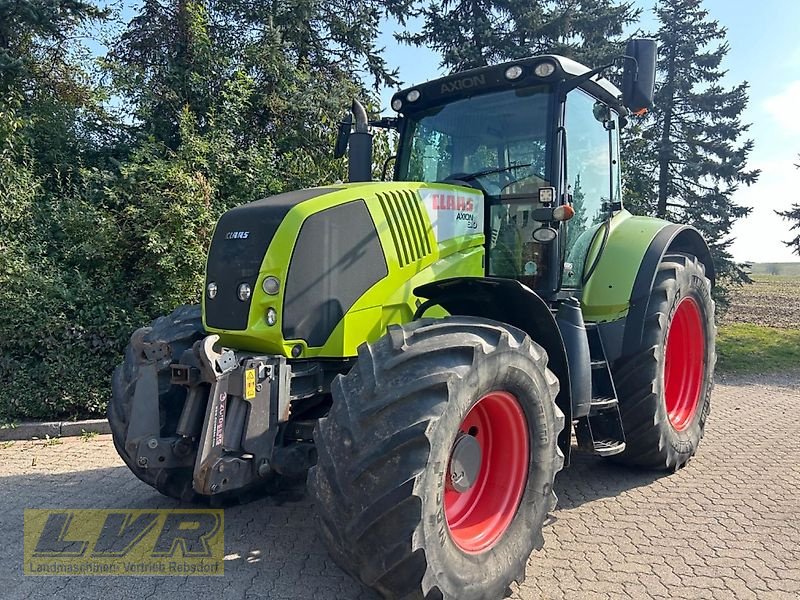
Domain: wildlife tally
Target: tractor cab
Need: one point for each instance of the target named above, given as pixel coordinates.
(540, 138)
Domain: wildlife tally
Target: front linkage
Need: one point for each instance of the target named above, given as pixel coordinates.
(238, 424)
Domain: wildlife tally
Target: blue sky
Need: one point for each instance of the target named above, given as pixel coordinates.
(765, 51)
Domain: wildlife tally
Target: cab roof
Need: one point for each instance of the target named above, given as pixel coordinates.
(493, 77)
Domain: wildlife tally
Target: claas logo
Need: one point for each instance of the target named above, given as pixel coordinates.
(124, 542)
(451, 202)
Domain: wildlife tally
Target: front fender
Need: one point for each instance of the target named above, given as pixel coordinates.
(508, 301)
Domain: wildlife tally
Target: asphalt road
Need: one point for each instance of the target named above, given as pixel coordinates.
(727, 526)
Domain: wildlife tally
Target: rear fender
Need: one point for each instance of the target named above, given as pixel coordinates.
(671, 239)
(508, 301)
(616, 295)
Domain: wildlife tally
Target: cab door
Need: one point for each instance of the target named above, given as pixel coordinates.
(593, 179)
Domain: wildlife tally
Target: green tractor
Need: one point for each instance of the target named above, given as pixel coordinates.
(425, 349)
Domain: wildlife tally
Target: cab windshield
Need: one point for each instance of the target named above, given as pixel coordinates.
(498, 140)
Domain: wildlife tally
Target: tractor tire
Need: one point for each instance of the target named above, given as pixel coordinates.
(664, 387)
(437, 460)
(179, 331)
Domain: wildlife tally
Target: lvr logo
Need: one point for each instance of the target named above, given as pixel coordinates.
(121, 531)
(180, 542)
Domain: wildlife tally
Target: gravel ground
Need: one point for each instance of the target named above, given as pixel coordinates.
(727, 526)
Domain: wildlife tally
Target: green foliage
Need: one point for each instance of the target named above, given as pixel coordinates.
(748, 348)
(113, 172)
(108, 207)
(35, 43)
(685, 159)
(475, 33)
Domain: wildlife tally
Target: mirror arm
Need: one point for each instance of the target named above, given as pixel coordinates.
(571, 84)
(635, 63)
(386, 123)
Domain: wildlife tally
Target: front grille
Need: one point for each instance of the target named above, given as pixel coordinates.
(406, 224)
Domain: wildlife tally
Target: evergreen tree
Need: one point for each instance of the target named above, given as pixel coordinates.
(35, 40)
(298, 65)
(580, 222)
(475, 33)
(686, 159)
(232, 102)
(104, 221)
(793, 214)
(46, 81)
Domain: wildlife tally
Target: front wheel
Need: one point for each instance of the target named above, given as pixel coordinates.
(664, 387)
(173, 334)
(436, 462)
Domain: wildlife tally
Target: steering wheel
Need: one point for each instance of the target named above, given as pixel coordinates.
(521, 179)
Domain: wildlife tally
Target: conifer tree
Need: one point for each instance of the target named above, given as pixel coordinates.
(305, 60)
(475, 33)
(686, 158)
(793, 214)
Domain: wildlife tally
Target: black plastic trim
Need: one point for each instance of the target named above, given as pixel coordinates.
(336, 258)
(672, 238)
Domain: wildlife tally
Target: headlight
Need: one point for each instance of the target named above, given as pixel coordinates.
(244, 292)
(413, 96)
(397, 104)
(271, 285)
(513, 72)
(544, 69)
(211, 290)
(544, 235)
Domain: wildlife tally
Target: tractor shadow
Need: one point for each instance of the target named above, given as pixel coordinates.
(590, 478)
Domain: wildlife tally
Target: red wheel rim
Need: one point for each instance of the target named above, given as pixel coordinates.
(684, 363)
(478, 517)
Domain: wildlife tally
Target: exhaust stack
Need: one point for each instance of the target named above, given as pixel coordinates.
(360, 141)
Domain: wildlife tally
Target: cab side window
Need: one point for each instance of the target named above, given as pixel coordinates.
(431, 157)
(591, 148)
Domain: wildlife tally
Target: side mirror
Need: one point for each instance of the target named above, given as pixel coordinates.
(639, 77)
(343, 136)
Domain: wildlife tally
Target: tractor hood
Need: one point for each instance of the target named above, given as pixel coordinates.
(340, 254)
(240, 241)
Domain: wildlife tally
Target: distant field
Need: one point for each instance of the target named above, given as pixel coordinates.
(760, 333)
(791, 269)
(772, 300)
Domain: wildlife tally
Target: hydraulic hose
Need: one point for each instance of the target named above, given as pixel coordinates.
(605, 227)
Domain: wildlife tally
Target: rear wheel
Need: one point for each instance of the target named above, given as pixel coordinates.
(436, 462)
(665, 386)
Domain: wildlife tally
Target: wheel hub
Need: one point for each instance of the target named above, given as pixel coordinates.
(487, 472)
(465, 463)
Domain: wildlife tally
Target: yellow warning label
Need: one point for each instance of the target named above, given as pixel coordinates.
(249, 384)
